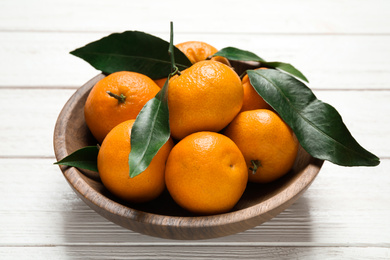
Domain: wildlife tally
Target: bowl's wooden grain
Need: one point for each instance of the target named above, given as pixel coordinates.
(162, 217)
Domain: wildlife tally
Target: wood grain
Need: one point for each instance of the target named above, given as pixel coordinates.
(190, 252)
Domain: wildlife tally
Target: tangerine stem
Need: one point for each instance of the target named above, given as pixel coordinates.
(256, 164)
(121, 98)
(174, 69)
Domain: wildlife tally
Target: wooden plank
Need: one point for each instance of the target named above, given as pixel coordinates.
(346, 62)
(330, 17)
(32, 113)
(345, 206)
(363, 121)
(193, 252)
(28, 120)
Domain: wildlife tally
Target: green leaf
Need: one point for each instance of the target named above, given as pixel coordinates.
(151, 129)
(132, 51)
(149, 132)
(233, 53)
(84, 158)
(317, 125)
(286, 67)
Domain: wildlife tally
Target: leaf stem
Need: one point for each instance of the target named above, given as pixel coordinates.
(174, 69)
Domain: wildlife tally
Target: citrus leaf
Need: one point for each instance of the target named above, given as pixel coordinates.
(150, 132)
(84, 158)
(132, 51)
(151, 129)
(286, 67)
(317, 125)
(233, 53)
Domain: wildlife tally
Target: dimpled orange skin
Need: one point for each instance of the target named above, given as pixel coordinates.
(196, 50)
(263, 136)
(113, 167)
(103, 112)
(206, 173)
(252, 100)
(205, 97)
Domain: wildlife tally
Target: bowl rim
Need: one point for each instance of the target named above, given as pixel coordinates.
(285, 197)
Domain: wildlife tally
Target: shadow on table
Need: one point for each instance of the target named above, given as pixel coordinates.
(292, 225)
(83, 225)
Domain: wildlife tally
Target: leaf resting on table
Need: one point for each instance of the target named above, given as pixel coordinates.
(317, 125)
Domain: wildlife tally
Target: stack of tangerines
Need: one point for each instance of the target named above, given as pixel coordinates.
(223, 134)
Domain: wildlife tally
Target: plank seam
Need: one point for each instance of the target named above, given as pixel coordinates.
(3, 30)
(76, 87)
(208, 244)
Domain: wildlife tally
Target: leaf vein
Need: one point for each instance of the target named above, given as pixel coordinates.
(307, 120)
(149, 138)
(132, 56)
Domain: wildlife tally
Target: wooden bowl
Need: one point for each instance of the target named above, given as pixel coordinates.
(162, 217)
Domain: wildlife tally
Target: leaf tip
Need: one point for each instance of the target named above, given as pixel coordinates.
(74, 52)
(59, 162)
(305, 79)
(134, 168)
(376, 161)
(134, 174)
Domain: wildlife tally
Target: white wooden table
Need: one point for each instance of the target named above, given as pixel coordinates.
(342, 46)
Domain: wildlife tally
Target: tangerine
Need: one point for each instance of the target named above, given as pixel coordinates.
(196, 50)
(205, 97)
(252, 100)
(113, 167)
(267, 143)
(206, 173)
(116, 98)
(160, 82)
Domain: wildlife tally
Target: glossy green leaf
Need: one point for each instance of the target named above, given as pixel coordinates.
(84, 158)
(132, 51)
(151, 127)
(233, 53)
(286, 67)
(149, 132)
(317, 125)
